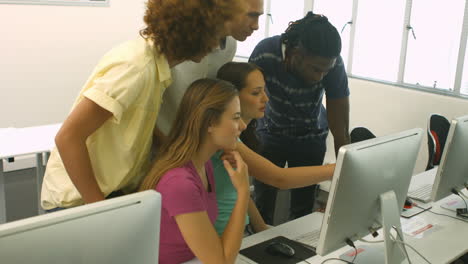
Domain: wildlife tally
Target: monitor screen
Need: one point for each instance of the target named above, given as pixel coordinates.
(453, 169)
(364, 171)
(119, 230)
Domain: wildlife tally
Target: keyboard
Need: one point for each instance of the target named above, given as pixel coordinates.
(422, 193)
(310, 238)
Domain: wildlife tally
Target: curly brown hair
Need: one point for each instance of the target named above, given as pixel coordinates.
(182, 29)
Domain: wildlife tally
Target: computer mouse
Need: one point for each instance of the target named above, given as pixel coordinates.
(280, 249)
(408, 204)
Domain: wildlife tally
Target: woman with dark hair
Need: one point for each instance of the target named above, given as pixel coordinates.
(103, 145)
(207, 120)
(248, 79)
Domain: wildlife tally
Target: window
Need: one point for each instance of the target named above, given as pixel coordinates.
(431, 58)
(378, 38)
(411, 43)
(283, 12)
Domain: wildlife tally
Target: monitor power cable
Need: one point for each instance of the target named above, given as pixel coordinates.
(399, 241)
(461, 212)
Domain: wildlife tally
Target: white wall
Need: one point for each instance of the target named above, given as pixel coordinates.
(386, 109)
(47, 53)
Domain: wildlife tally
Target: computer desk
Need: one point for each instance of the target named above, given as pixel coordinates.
(443, 243)
(15, 142)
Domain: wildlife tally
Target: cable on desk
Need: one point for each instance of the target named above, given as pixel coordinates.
(381, 241)
(408, 245)
(351, 244)
(302, 260)
(308, 247)
(345, 261)
(442, 214)
(403, 248)
(461, 197)
(370, 242)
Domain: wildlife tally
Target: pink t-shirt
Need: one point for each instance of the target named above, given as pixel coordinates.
(182, 192)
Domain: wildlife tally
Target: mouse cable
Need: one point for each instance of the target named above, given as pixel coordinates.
(296, 258)
(345, 261)
(430, 211)
(407, 245)
(307, 246)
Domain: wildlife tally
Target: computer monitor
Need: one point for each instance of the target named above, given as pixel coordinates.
(120, 231)
(453, 169)
(368, 191)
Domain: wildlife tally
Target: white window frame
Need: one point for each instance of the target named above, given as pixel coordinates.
(453, 91)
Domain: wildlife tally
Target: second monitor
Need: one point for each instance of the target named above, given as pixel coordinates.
(368, 191)
(452, 173)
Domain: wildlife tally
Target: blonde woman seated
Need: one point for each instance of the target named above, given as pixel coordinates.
(208, 120)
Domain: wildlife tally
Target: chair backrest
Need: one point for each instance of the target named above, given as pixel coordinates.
(437, 131)
(360, 133)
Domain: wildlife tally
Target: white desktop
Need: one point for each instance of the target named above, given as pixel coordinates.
(368, 191)
(452, 174)
(119, 231)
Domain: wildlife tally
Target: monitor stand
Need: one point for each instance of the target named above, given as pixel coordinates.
(388, 250)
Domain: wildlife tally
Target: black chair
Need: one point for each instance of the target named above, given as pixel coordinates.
(437, 131)
(360, 134)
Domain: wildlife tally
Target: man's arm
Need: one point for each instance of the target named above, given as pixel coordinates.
(338, 121)
(83, 121)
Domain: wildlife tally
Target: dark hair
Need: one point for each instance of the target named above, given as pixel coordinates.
(236, 73)
(315, 34)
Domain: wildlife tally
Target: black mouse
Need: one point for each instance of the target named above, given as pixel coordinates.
(280, 249)
(408, 203)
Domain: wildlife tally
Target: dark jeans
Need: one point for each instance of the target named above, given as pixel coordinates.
(111, 195)
(296, 153)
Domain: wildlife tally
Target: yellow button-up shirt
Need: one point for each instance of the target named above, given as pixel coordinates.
(129, 82)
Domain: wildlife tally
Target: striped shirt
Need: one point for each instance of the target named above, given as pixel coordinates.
(295, 108)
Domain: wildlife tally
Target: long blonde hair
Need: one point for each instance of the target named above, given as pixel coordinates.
(202, 106)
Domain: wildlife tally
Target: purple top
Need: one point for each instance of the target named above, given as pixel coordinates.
(182, 192)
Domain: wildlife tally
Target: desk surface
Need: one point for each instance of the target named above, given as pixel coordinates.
(27, 140)
(443, 243)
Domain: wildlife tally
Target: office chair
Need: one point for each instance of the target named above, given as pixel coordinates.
(360, 133)
(437, 131)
